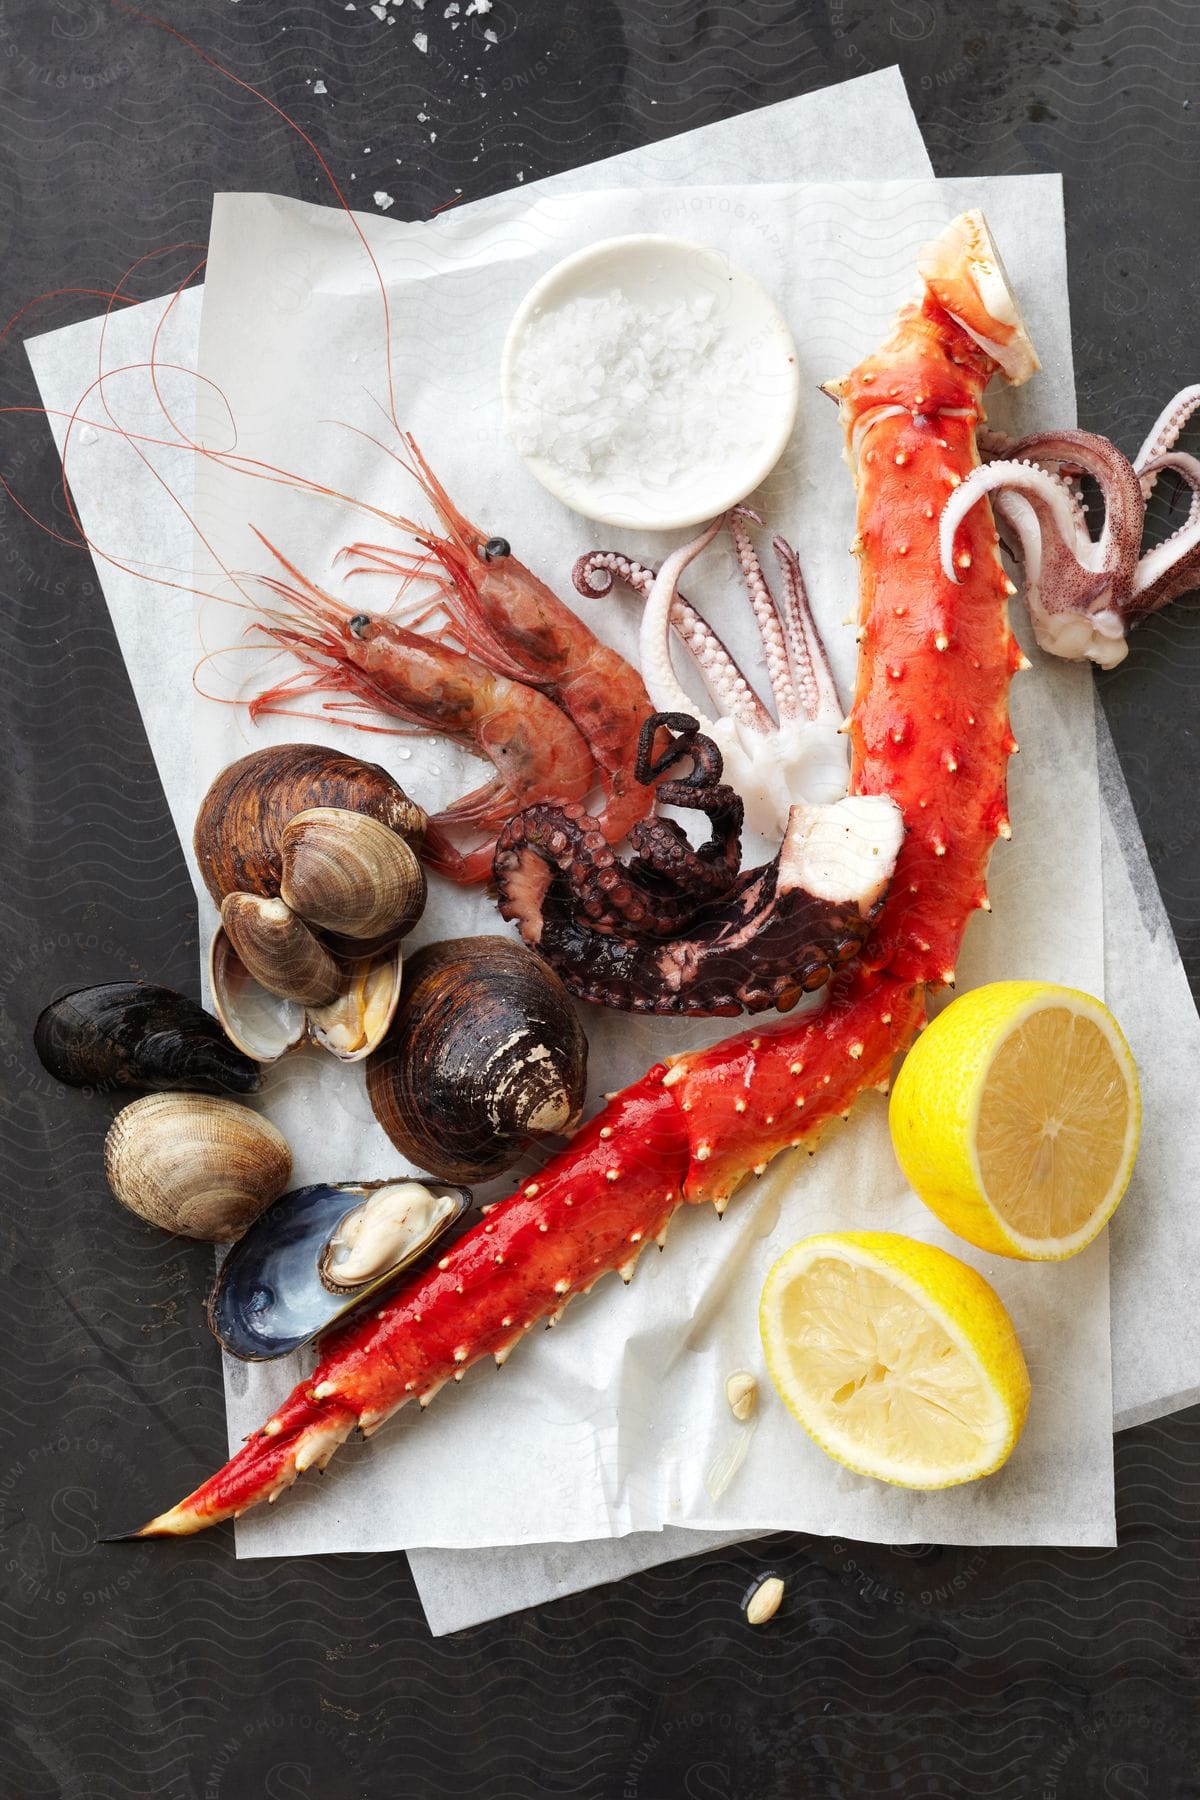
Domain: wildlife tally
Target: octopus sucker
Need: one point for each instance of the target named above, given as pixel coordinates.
(685, 932)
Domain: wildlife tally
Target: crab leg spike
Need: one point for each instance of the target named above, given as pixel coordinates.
(662, 684)
(814, 677)
(767, 617)
(593, 576)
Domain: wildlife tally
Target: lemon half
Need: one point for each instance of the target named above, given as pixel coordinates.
(1016, 1116)
(897, 1359)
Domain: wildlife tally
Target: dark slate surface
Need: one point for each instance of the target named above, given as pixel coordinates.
(169, 1670)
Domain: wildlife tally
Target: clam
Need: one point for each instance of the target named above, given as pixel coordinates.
(264, 1025)
(485, 1054)
(195, 1165)
(307, 853)
(277, 948)
(351, 876)
(320, 1251)
(126, 1034)
(242, 818)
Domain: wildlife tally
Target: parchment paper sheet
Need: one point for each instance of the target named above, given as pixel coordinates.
(475, 1585)
(617, 1422)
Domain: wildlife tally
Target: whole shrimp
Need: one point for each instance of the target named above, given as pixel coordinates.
(533, 745)
(501, 612)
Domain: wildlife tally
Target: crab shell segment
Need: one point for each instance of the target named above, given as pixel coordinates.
(929, 724)
(775, 1089)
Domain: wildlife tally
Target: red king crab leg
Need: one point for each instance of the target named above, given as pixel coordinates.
(929, 727)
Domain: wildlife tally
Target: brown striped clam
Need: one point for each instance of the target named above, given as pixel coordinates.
(310, 856)
(485, 1055)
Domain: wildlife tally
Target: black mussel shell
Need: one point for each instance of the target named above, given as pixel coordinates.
(270, 1296)
(131, 1035)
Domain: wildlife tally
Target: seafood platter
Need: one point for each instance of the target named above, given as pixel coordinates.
(611, 838)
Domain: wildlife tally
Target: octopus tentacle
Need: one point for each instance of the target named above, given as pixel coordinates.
(1074, 585)
(664, 855)
(1124, 506)
(593, 576)
(1083, 594)
(1172, 567)
(1163, 435)
(667, 880)
(779, 931)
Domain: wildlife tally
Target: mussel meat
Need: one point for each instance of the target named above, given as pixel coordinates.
(126, 1034)
(320, 1251)
(485, 1053)
(194, 1165)
(242, 818)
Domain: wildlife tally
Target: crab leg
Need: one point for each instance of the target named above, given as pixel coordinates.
(930, 728)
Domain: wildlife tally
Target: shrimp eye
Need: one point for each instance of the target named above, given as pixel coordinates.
(360, 624)
(495, 549)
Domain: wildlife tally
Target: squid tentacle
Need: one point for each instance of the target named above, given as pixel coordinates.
(767, 617)
(593, 576)
(810, 663)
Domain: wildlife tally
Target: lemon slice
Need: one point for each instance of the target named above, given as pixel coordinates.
(897, 1359)
(1016, 1116)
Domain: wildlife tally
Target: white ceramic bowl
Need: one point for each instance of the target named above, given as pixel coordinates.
(699, 444)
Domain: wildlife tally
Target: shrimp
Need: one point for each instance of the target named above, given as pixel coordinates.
(502, 612)
(534, 747)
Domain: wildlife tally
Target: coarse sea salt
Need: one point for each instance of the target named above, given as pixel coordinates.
(634, 391)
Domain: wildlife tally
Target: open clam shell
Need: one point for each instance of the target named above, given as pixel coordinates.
(265, 1026)
(320, 1251)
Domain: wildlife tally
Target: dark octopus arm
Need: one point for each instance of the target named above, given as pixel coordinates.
(685, 933)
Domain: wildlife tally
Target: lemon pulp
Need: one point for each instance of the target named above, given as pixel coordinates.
(899, 1360)
(1015, 1117)
(1052, 1126)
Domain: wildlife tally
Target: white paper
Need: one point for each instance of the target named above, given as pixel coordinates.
(617, 1421)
